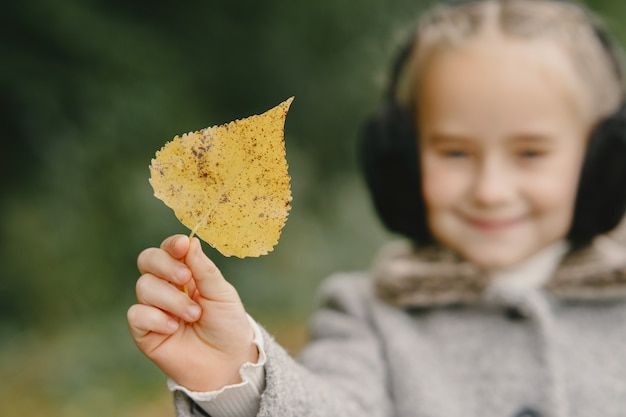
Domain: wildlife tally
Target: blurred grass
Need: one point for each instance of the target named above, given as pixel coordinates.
(86, 368)
(92, 368)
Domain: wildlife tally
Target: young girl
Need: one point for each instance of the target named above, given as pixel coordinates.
(501, 156)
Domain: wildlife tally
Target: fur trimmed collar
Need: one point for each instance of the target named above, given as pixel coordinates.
(406, 276)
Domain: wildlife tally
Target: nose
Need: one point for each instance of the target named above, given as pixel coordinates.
(493, 183)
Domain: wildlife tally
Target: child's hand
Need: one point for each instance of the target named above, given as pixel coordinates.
(200, 340)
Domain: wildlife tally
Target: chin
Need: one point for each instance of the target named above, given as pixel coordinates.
(494, 261)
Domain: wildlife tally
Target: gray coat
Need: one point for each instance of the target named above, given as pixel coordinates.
(420, 336)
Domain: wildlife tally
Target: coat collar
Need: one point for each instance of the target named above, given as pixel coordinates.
(407, 276)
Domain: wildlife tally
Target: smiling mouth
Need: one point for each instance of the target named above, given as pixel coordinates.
(491, 225)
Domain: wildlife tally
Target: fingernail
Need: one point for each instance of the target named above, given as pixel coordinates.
(193, 311)
(172, 324)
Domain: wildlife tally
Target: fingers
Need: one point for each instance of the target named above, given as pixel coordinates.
(176, 245)
(209, 280)
(164, 263)
(143, 320)
(155, 292)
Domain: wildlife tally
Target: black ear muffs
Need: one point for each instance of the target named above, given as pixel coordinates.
(601, 197)
(389, 160)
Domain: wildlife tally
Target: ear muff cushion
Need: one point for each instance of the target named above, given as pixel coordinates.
(389, 160)
(601, 199)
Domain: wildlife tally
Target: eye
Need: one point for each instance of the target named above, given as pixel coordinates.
(454, 153)
(531, 153)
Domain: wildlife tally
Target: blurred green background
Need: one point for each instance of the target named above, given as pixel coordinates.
(89, 90)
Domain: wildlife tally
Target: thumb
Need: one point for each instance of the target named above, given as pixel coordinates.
(210, 282)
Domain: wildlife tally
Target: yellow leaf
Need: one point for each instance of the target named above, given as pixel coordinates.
(229, 184)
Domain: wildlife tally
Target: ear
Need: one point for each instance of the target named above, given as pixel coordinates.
(601, 198)
(389, 159)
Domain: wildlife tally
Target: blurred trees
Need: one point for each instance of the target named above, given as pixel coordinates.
(89, 90)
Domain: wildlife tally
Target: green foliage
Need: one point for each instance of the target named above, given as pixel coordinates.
(94, 88)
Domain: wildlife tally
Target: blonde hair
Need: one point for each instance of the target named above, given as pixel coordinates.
(596, 60)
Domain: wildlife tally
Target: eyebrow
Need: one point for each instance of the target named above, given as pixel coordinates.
(528, 137)
(439, 137)
(533, 138)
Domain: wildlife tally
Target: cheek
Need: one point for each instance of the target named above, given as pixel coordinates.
(555, 193)
(442, 186)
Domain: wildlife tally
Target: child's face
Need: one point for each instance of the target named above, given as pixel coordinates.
(503, 131)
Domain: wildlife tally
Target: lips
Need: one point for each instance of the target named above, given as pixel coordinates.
(493, 225)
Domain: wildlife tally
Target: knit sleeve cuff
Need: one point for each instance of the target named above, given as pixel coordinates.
(242, 399)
